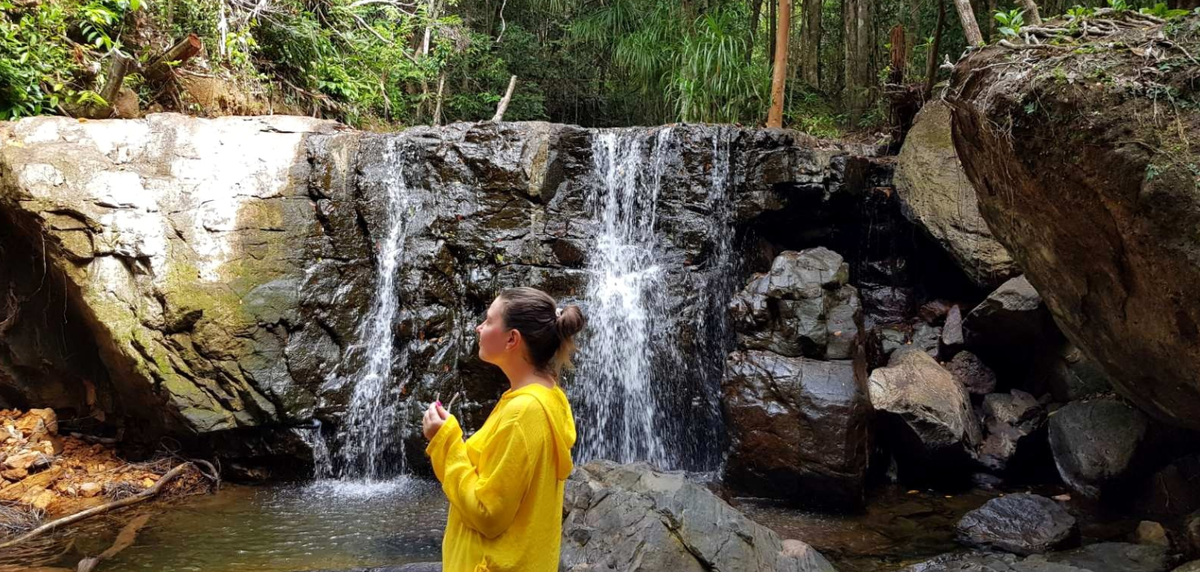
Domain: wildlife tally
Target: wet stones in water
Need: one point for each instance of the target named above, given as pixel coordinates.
(1105, 557)
(798, 429)
(1097, 444)
(972, 373)
(926, 417)
(1020, 523)
(1013, 422)
(1193, 566)
(1151, 533)
(636, 519)
(802, 307)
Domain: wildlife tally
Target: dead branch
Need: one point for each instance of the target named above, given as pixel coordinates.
(72, 519)
(124, 540)
(160, 68)
(512, 85)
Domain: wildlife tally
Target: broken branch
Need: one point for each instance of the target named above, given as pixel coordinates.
(72, 519)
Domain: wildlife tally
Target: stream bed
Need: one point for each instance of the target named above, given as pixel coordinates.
(330, 525)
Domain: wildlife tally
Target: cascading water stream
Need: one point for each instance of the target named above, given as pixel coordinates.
(368, 429)
(616, 371)
(630, 361)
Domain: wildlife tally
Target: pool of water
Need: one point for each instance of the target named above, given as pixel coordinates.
(324, 525)
(338, 526)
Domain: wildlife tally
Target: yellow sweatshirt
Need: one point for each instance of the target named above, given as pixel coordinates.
(505, 483)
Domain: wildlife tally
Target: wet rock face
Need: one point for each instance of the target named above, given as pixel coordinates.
(1099, 445)
(1094, 220)
(938, 195)
(630, 517)
(926, 416)
(1019, 523)
(798, 429)
(223, 269)
(802, 307)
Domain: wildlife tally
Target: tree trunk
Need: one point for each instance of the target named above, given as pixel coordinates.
(755, 15)
(771, 26)
(779, 74)
(931, 64)
(500, 109)
(810, 44)
(1031, 12)
(990, 17)
(857, 41)
(970, 25)
(899, 49)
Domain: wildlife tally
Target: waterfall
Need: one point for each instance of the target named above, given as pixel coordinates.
(631, 372)
(614, 382)
(369, 428)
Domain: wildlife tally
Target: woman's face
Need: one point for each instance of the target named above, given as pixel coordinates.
(496, 340)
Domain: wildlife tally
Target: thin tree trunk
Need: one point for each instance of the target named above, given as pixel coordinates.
(771, 17)
(970, 25)
(990, 17)
(857, 41)
(437, 110)
(810, 44)
(512, 85)
(779, 74)
(931, 64)
(755, 15)
(1031, 12)
(914, 28)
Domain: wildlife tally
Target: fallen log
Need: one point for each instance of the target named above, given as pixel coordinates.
(67, 520)
(160, 69)
(124, 540)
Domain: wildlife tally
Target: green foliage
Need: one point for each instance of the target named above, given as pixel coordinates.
(33, 64)
(1118, 5)
(1162, 11)
(1081, 12)
(1011, 22)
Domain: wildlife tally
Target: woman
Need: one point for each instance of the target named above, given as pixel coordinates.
(505, 483)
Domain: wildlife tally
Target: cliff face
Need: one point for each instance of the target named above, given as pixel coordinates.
(189, 277)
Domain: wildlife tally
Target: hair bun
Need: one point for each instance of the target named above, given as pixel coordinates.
(570, 321)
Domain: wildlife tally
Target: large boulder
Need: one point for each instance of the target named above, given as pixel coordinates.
(1099, 445)
(926, 416)
(1104, 557)
(938, 196)
(798, 429)
(1095, 198)
(1019, 523)
(802, 307)
(635, 519)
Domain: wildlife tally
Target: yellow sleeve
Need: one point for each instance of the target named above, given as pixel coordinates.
(488, 496)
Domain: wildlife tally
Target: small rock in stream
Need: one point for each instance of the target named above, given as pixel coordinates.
(1020, 523)
(1104, 557)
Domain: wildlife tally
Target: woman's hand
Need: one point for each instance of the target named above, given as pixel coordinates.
(434, 418)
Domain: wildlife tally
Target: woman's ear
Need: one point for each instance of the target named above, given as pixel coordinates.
(514, 339)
